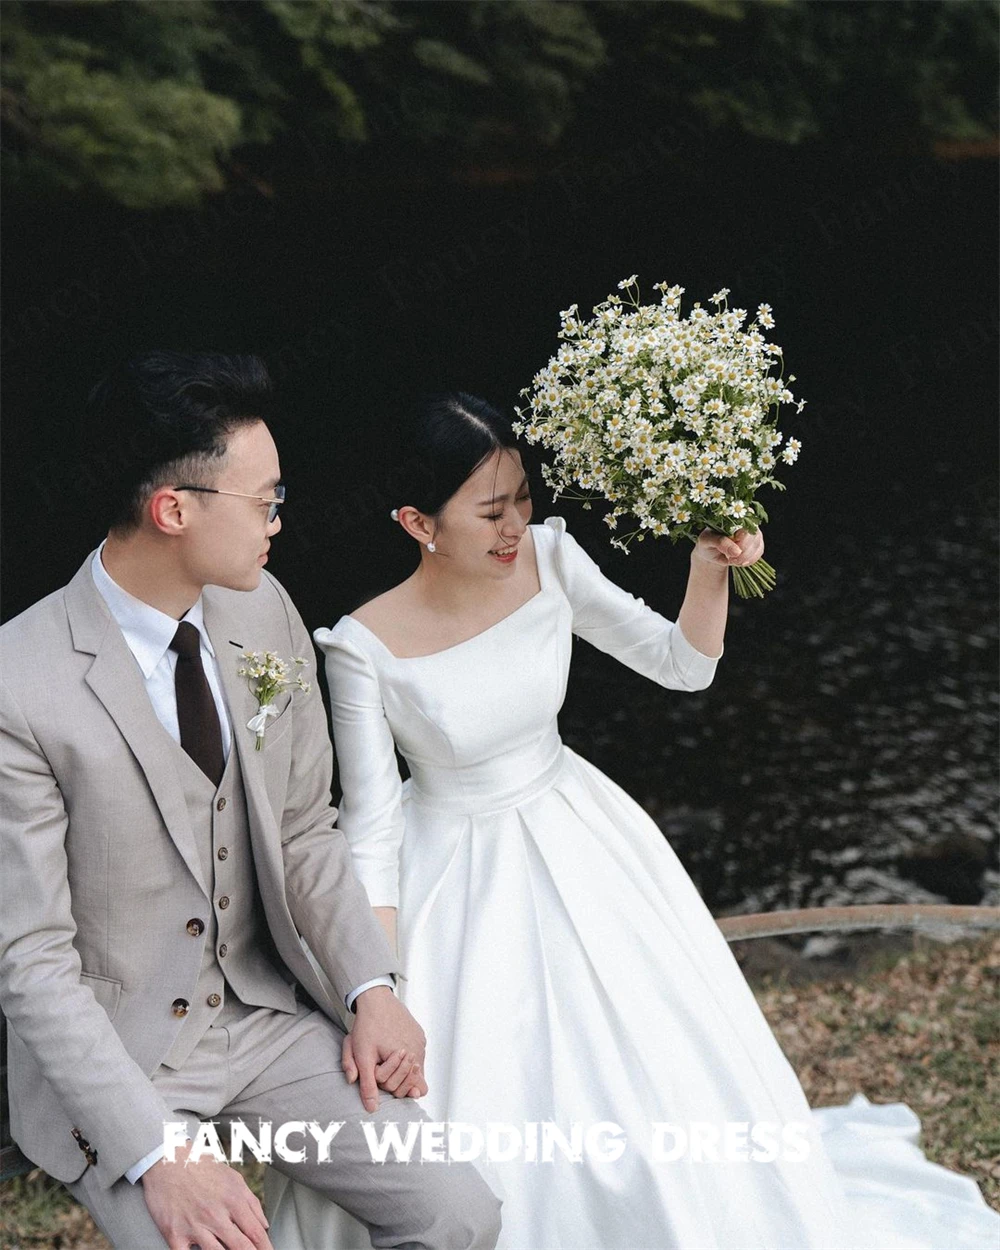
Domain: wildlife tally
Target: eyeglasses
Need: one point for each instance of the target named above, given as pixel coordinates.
(272, 512)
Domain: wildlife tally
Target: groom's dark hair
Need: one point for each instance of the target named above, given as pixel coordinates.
(164, 416)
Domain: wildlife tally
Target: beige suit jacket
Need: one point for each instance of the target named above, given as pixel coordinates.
(100, 872)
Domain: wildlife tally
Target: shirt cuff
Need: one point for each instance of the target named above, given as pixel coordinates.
(387, 980)
(145, 1163)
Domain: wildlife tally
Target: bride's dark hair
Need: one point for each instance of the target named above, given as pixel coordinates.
(447, 436)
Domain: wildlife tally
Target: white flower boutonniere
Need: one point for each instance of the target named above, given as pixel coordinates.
(267, 674)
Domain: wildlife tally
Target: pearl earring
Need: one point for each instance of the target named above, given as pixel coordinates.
(431, 547)
(394, 514)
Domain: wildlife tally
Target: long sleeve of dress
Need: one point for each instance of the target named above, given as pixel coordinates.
(370, 814)
(623, 625)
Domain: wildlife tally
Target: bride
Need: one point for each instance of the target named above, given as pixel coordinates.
(562, 963)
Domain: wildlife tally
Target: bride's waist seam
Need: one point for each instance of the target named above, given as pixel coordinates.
(463, 801)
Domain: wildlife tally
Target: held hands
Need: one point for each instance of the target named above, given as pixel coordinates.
(385, 1048)
(206, 1203)
(741, 549)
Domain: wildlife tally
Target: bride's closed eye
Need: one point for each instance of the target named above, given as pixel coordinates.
(495, 516)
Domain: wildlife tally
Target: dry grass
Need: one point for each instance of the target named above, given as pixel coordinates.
(924, 1030)
(922, 1027)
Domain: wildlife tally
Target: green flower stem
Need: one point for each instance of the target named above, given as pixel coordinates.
(754, 580)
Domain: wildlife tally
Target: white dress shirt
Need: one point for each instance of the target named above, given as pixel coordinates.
(149, 633)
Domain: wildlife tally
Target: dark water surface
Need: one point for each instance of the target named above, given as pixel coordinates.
(847, 750)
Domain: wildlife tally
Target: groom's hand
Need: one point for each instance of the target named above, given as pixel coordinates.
(207, 1204)
(385, 1047)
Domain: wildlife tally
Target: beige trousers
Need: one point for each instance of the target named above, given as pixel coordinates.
(254, 1063)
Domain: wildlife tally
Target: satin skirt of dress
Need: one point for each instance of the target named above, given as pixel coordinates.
(565, 969)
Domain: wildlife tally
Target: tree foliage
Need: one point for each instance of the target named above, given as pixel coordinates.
(158, 102)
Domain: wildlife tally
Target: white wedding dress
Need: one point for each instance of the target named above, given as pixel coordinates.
(565, 968)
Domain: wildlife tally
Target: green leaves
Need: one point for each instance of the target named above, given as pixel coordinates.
(143, 142)
(144, 102)
(441, 57)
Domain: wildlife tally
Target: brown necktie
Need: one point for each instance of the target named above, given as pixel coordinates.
(201, 736)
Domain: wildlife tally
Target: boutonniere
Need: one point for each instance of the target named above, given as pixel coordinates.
(267, 674)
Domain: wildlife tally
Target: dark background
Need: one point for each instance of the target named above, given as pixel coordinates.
(847, 748)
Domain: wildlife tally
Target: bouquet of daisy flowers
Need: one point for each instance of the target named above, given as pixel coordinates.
(667, 418)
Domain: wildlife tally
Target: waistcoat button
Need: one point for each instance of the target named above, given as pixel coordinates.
(196, 927)
(224, 902)
(223, 951)
(214, 1000)
(180, 1007)
(222, 852)
(221, 805)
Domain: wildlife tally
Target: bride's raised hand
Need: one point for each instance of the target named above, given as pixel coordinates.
(741, 549)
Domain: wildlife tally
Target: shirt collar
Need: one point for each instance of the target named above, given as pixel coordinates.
(147, 630)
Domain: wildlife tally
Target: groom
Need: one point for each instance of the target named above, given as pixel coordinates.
(158, 870)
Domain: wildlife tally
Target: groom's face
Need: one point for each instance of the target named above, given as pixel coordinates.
(229, 535)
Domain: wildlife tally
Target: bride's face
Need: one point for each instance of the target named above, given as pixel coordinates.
(482, 524)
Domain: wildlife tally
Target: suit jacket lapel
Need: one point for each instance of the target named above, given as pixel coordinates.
(225, 630)
(117, 681)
